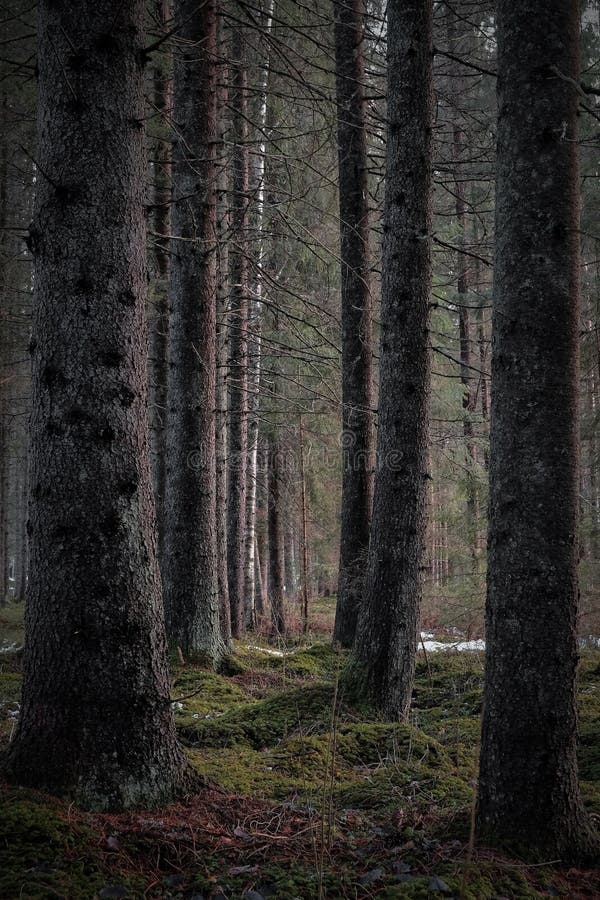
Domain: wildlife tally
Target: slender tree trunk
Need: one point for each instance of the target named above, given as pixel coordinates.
(276, 557)
(238, 371)
(357, 399)
(223, 225)
(190, 561)
(528, 792)
(254, 365)
(457, 84)
(96, 720)
(305, 585)
(262, 534)
(4, 349)
(385, 647)
(255, 329)
(291, 578)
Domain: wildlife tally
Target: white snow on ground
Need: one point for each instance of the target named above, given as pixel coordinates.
(8, 648)
(459, 646)
(270, 652)
(431, 646)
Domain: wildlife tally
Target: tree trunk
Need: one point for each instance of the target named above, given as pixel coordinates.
(357, 401)
(4, 350)
(223, 224)
(21, 533)
(238, 372)
(469, 399)
(190, 558)
(159, 319)
(305, 585)
(384, 652)
(528, 792)
(96, 720)
(276, 557)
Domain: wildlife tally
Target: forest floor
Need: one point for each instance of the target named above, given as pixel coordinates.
(308, 797)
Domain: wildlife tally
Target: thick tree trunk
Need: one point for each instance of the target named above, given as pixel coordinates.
(190, 558)
(159, 317)
(528, 791)
(384, 652)
(238, 373)
(357, 401)
(96, 720)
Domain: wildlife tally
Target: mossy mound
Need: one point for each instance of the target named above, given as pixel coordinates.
(317, 662)
(265, 721)
(199, 694)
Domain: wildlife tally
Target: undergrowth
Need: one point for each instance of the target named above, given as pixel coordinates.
(309, 796)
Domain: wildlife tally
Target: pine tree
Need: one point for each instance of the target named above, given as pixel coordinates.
(96, 721)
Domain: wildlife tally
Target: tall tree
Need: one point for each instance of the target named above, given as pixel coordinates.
(276, 537)
(357, 417)
(96, 720)
(238, 374)
(384, 651)
(190, 557)
(162, 84)
(528, 789)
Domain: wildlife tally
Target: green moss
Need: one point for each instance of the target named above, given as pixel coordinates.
(10, 687)
(43, 855)
(265, 721)
(204, 695)
(316, 662)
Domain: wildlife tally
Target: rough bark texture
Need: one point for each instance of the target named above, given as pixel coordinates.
(238, 373)
(190, 555)
(159, 315)
(357, 417)
(276, 552)
(96, 720)
(4, 352)
(223, 224)
(528, 790)
(384, 652)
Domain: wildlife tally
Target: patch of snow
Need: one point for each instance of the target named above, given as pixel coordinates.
(458, 646)
(177, 705)
(269, 651)
(9, 648)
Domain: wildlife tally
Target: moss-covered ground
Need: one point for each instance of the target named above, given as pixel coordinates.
(309, 796)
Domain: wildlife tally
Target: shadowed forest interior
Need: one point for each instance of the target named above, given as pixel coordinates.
(299, 449)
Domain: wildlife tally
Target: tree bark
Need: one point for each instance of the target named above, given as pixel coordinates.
(528, 792)
(162, 82)
(469, 399)
(384, 651)
(238, 372)
(190, 560)
(276, 553)
(357, 399)
(223, 225)
(96, 720)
